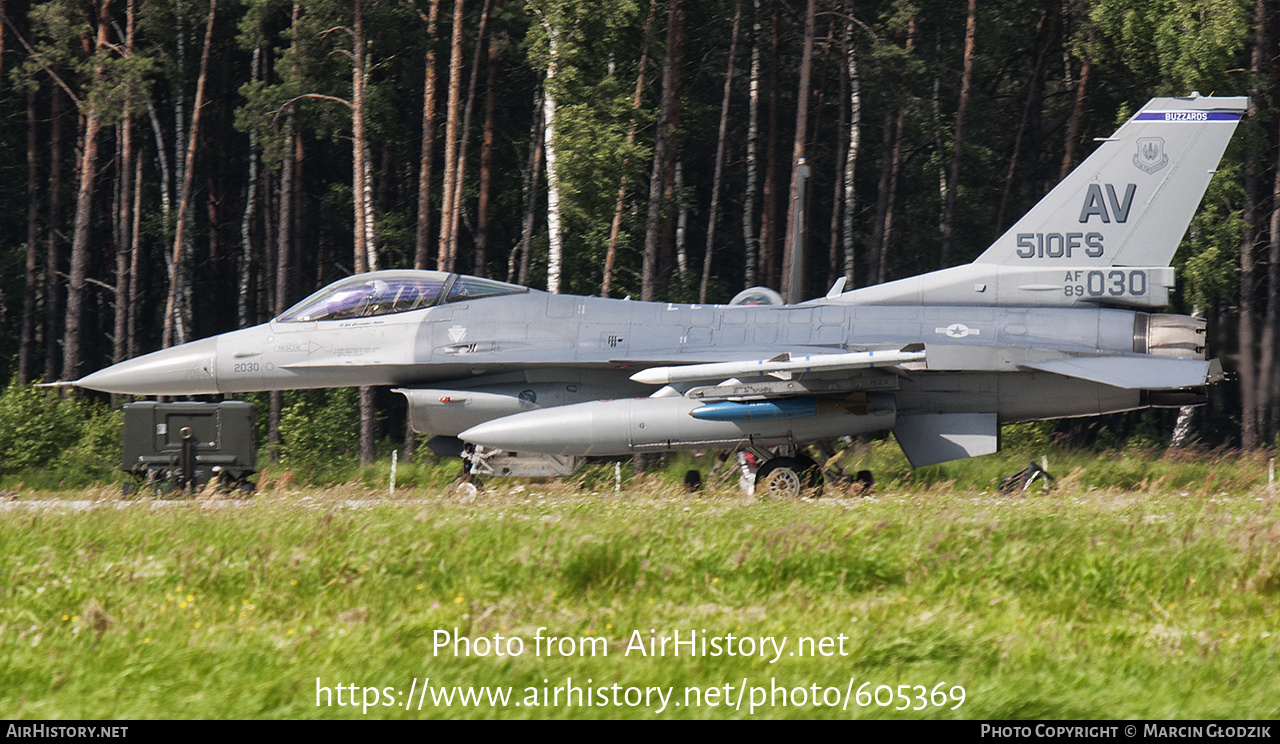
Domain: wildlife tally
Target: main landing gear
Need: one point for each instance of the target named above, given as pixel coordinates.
(789, 472)
(788, 475)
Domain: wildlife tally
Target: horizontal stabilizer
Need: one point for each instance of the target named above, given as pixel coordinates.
(929, 439)
(1136, 372)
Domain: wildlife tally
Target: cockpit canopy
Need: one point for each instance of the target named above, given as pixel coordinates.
(390, 292)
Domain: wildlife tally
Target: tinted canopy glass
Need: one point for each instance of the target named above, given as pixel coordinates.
(471, 288)
(369, 295)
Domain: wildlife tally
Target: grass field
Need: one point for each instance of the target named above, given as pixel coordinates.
(1160, 599)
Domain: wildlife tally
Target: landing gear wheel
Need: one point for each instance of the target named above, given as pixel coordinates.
(788, 478)
(863, 483)
(465, 489)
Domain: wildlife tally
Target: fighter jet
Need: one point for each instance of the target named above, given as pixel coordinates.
(1055, 319)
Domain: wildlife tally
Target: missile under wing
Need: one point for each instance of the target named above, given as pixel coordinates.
(1055, 319)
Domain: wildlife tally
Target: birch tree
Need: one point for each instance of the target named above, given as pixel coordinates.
(555, 240)
(752, 247)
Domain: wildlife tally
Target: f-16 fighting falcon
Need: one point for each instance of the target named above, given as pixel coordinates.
(1055, 319)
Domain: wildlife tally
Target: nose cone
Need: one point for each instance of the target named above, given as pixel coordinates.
(183, 370)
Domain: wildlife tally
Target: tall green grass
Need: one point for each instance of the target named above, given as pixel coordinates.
(1084, 603)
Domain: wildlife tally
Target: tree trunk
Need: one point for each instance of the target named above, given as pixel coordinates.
(520, 271)
(486, 160)
(882, 199)
(27, 340)
(1250, 424)
(184, 200)
(889, 171)
(1269, 387)
(284, 240)
(122, 242)
(664, 147)
(53, 292)
(366, 257)
(135, 259)
(1073, 122)
(850, 202)
(939, 149)
(555, 246)
(895, 168)
(423, 232)
(124, 217)
(281, 275)
(615, 227)
(769, 217)
(166, 179)
(682, 221)
(180, 129)
(285, 218)
(1029, 124)
(953, 178)
(751, 246)
(72, 335)
(797, 155)
(465, 137)
(445, 257)
(671, 205)
(250, 211)
(718, 170)
(834, 264)
(3, 25)
(368, 426)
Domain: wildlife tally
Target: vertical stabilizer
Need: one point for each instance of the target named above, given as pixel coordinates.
(1129, 203)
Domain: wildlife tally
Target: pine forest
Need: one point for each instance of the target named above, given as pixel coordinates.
(174, 169)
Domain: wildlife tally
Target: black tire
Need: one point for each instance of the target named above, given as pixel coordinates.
(788, 478)
(864, 483)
